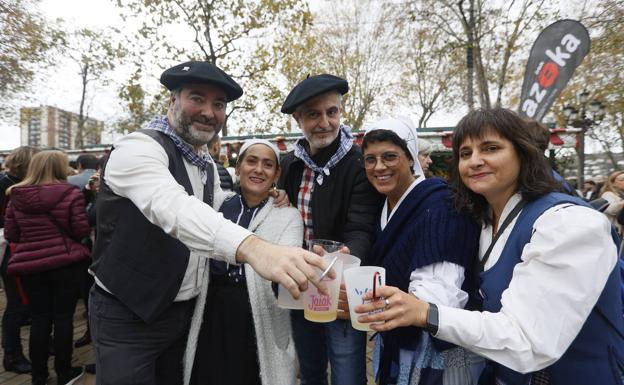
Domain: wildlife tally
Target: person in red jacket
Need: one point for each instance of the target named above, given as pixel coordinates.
(46, 220)
(15, 312)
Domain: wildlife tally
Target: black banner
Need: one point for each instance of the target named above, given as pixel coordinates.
(556, 53)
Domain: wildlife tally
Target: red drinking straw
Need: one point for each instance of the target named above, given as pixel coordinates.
(376, 277)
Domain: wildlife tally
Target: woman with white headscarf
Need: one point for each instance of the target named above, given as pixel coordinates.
(238, 334)
(427, 249)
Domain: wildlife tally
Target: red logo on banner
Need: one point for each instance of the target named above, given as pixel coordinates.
(548, 75)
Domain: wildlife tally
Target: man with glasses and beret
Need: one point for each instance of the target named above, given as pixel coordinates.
(325, 179)
(157, 229)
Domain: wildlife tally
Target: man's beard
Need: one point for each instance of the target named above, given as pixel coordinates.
(183, 126)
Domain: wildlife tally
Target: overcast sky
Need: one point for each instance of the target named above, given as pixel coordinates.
(61, 85)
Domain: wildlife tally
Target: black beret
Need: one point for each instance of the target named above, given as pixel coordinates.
(201, 72)
(311, 87)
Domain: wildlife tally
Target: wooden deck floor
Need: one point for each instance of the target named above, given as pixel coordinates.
(81, 356)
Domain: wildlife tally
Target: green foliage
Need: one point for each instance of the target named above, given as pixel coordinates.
(26, 41)
(236, 35)
(142, 110)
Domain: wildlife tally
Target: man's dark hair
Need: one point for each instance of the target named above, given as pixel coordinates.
(535, 178)
(380, 135)
(87, 161)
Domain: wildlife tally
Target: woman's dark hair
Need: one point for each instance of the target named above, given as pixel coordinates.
(375, 136)
(535, 178)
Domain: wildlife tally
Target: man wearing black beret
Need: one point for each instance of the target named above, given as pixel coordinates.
(325, 177)
(157, 229)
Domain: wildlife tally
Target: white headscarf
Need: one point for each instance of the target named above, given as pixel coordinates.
(250, 142)
(405, 129)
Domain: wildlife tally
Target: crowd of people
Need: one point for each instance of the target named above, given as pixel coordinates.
(500, 275)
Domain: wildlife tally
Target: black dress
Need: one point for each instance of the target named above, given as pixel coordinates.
(226, 347)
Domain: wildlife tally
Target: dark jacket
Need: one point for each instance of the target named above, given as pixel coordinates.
(224, 176)
(47, 223)
(6, 180)
(346, 206)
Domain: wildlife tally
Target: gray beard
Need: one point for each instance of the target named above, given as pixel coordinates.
(184, 132)
(182, 126)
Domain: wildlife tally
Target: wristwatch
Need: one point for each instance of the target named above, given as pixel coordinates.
(432, 319)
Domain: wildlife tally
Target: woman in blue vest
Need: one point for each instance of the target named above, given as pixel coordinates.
(549, 280)
(427, 250)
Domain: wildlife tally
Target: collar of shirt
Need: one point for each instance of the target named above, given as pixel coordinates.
(201, 158)
(385, 218)
(486, 233)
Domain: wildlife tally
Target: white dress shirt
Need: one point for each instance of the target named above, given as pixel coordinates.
(138, 169)
(438, 282)
(562, 272)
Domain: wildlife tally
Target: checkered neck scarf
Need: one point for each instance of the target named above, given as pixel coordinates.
(346, 142)
(202, 160)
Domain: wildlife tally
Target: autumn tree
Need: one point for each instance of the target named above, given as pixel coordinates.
(25, 43)
(494, 37)
(359, 43)
(600, 73)
(95, 54)
(430, 73)
(236, 35)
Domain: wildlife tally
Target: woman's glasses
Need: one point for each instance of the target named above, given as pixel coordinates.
(389, 159)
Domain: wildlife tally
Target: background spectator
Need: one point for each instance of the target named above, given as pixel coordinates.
(15, 312)
(46, 219)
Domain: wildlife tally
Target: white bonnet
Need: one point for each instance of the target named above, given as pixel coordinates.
(405, 129)
(250, 142)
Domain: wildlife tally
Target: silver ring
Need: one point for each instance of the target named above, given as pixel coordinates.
(387, 303)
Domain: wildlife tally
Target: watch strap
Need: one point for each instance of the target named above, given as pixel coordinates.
(432, 319)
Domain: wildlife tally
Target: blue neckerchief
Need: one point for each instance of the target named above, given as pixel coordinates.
(346, 142)
(202, 161)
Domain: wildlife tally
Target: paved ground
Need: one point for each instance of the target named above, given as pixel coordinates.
(81, 356)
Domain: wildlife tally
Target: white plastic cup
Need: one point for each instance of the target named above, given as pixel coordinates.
(286, 301)
(318, 307)
(358, 281)
(327, 245)
(348, 261)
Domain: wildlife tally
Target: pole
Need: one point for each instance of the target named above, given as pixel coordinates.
(580, 179)
(580, 176)
(470, 58)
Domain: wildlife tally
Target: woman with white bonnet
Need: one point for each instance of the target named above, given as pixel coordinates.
(427, 250)
(238, 334)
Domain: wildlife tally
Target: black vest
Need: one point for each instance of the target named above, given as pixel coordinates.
(134, 259)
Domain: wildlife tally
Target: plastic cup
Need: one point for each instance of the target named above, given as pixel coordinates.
(348, 261)
(286, 301)
(358, 281)
(327, 245)
(318, 307)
